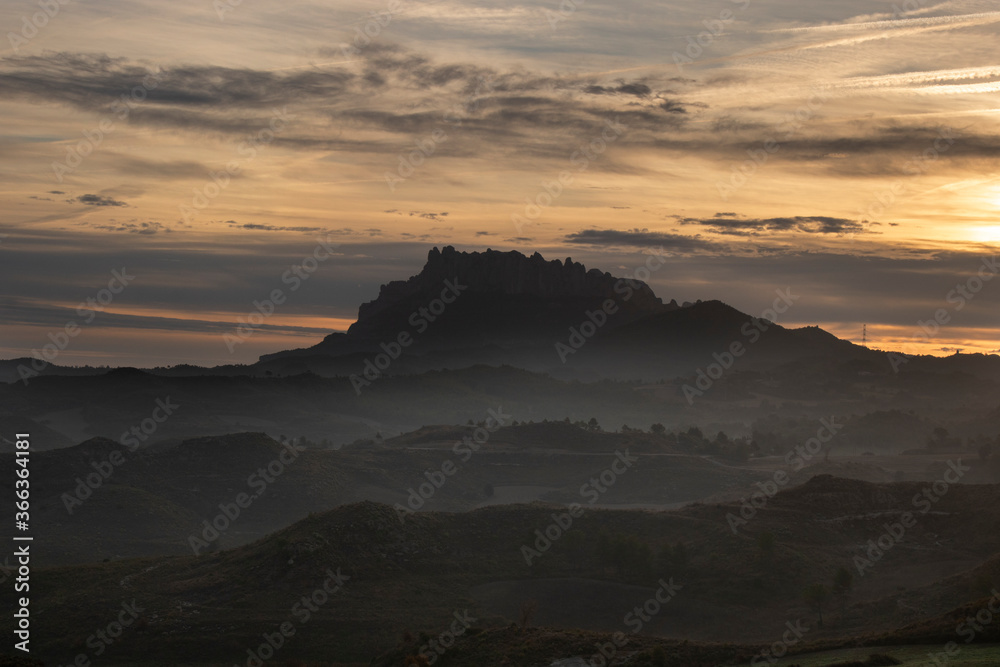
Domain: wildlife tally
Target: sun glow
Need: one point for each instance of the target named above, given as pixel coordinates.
(987, 233)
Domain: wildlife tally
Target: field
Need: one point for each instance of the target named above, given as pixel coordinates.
(909, 656)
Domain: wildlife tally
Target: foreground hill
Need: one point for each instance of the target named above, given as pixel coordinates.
(416, 574)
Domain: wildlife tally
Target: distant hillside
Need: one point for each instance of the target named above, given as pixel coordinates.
(149, 501)
(414, 575)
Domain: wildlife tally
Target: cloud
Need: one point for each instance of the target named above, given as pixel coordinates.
(145, 228)
(253, 226)
(485, 111)
(388, 89)
(635, 89)
(94, 82)
(28, 312)
(161, 169)
(642, 238)
(727, 223)
(98, 200)
(429, 216)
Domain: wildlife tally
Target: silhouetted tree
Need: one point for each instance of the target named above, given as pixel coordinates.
(985, 450)
(843, 581)
(526, 614)
(939, 438)
(765, 541)
(816, 595)
(674, 558)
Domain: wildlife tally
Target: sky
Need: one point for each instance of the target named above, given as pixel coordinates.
(165, 167)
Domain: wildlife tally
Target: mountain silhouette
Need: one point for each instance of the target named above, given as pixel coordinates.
(492, 307)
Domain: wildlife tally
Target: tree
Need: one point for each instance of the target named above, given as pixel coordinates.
(939, 438)
(658, 429)
(593, 425)
(843, 581)
(674, 558)
(526, 614)
(765, 541)
(816, 595)
(680, 556)
(628, 555)
(985, 449)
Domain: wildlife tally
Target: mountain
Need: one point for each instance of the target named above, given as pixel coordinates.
(492, 307)
(479, 300)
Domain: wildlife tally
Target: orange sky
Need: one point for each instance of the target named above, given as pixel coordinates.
(842, 149)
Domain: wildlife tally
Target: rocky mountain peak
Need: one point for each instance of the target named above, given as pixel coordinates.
(512, 273)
